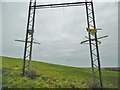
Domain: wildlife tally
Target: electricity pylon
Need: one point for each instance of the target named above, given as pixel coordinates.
(91, 29)
(94, 50)
(29, 39)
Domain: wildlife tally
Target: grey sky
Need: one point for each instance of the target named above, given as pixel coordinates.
(60, 31)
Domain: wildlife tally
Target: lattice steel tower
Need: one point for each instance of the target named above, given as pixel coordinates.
(93, 44)
(91, 29)
(29, 38)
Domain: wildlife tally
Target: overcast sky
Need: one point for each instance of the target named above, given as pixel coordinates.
(60, 32)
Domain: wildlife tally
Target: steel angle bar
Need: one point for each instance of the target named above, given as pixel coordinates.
(60, 5)
(28, 41)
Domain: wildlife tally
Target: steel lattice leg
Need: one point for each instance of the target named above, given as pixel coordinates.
(93, 44)
(29, 38)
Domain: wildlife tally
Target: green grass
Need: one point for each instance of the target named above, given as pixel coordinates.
(52, 76)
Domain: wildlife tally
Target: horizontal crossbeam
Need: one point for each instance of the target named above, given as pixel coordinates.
(28, 41)
(60, 5)
(94, 39)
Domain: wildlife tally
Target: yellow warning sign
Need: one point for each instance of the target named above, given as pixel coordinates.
(92, 31)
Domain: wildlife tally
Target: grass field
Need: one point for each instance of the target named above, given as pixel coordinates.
(52, 76)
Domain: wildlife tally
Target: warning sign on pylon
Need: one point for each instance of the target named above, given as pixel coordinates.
(92, 31)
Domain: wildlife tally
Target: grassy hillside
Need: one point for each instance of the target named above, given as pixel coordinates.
(52, 76)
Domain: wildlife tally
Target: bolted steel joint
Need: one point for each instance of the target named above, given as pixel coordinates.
(30, 32)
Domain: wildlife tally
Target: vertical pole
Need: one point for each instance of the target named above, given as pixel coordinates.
(29, 38)
(94, 50)
(32, 39)
(26, 40)
(90, 45)
(97, 49)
